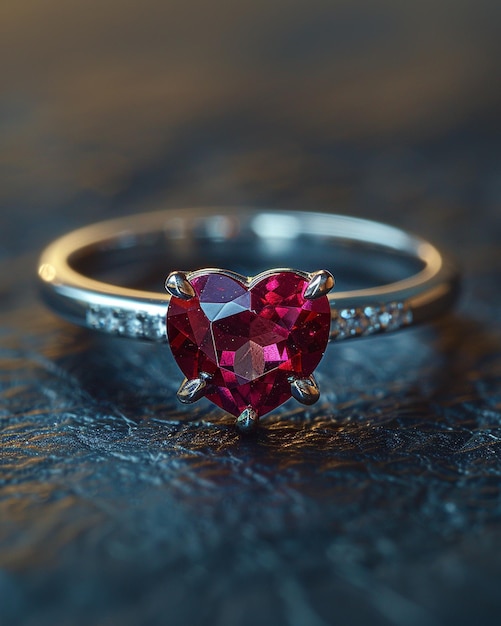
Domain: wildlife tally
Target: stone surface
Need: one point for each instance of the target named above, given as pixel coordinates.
(249, 340)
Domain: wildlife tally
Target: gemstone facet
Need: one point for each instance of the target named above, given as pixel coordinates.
(248, 339)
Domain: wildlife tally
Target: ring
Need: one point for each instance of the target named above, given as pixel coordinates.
(250, 337)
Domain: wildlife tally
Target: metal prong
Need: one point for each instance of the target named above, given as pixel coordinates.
(192, 389)
(305, 390)
(179, 286)
(320, 284)
(247, 420)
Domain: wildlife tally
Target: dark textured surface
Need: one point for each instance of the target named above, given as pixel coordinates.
(382, 504)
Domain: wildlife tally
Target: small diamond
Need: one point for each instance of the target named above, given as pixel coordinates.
(384, 319)
(158, 330)
(94, 317)
(350, 323)
(338, 327)
(395, 309)
(373, 323)
(357, 324)
(135, 324)
(112, 321)
(395, 315)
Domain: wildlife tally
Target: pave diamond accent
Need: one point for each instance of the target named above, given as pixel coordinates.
(350, 323)
(132, 324)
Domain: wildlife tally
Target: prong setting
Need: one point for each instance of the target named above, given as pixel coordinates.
(305, 390)
(178, 285)
(320, 284)
(247, 420)
(192, 389)
(226, 324)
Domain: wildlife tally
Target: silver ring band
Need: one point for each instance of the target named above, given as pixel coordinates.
(79, 294)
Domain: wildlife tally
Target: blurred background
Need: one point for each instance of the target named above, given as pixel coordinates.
(112, 106)
(380, 506)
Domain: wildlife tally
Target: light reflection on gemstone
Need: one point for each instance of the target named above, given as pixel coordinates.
(250, 342)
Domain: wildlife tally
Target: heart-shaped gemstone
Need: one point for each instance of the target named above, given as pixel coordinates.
(248, 339)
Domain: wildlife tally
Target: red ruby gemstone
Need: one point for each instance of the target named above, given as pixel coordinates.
(249, 340)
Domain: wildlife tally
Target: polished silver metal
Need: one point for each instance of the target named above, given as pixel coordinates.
(305, 390)
(247, 421)
(193, 389)
(248, 281)
(176, 284)
(321, 283)
(76, 294)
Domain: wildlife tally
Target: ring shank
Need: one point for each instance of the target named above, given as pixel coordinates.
(83, 299)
